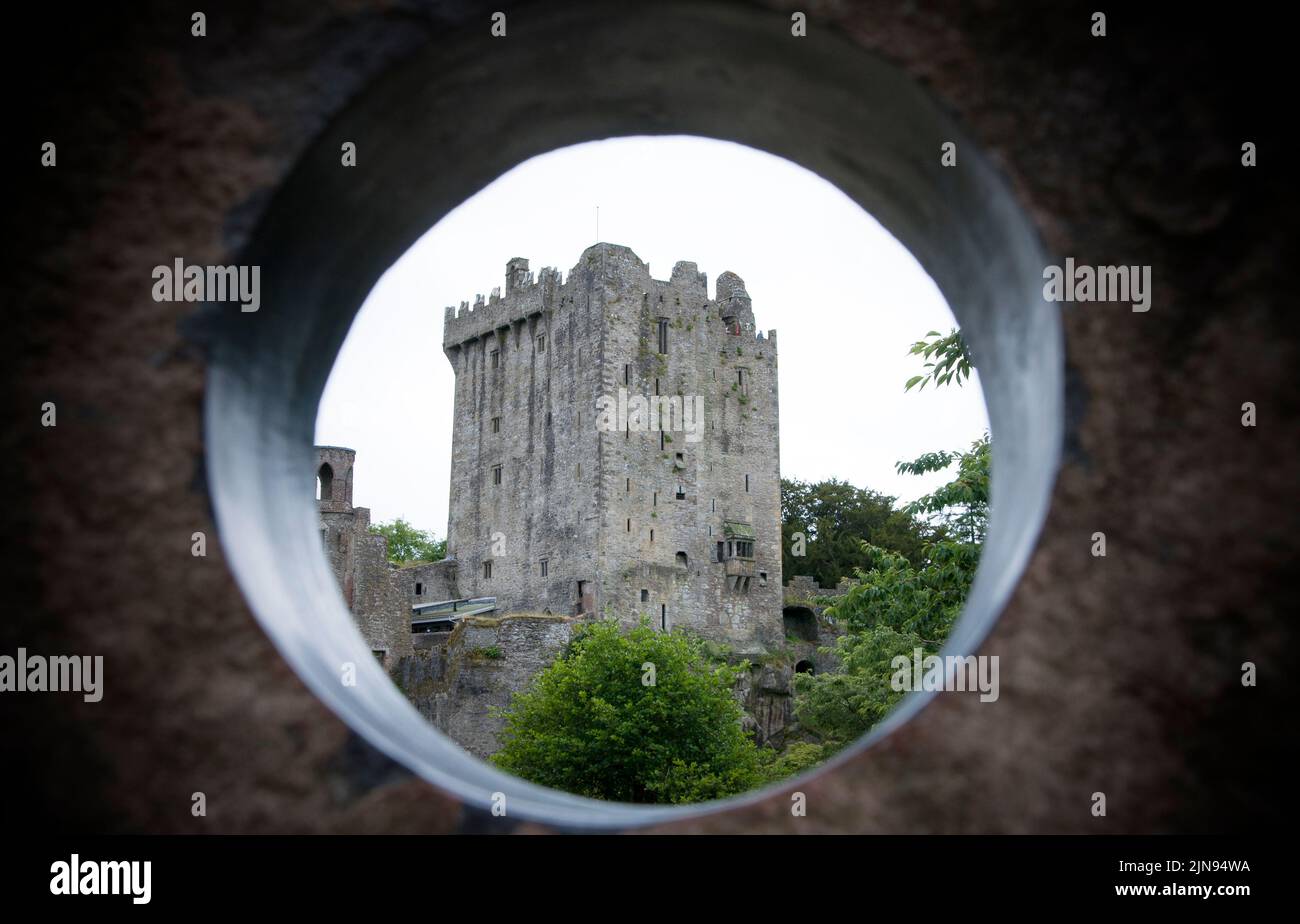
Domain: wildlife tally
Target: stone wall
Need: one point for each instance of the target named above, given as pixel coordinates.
(375, 594)
(456, 680)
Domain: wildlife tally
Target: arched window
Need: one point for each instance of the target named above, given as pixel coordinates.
(325, 482)
(681, 560)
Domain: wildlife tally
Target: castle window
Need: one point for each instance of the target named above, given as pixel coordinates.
(681, 458)
(746, 483)
(743, 381)
(627, 373)
(541, 343)
(663, 335)
(652, 535)
(419, 589)
(629, 524)
(496, 424)
(654, 499)
(496, 474)
(661, 439)
(681, 492)
(544, 567)
(720, 555)
(663, 616)
(629, 485)
(548, 418)
(682, 561)
(496, 359)
(762, 579)
(487, 570)
(715, 503)
(325, 482)
(645, 595)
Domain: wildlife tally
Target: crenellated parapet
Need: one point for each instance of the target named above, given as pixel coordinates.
(525, 296)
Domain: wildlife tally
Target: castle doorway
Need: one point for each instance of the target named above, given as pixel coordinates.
(586, 598)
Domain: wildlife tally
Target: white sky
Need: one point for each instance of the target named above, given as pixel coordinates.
(845, 298)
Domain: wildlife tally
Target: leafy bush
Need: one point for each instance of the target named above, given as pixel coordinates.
(594, 725)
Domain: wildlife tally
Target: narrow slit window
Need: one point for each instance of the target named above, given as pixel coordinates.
(663, 335)
(496, 474)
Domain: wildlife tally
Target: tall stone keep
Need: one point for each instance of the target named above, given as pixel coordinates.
(615, 448)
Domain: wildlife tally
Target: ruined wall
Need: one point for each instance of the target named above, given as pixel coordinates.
(456, 680)
(374, 594)
(427, 582)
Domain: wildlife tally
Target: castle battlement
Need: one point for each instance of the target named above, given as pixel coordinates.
(524, 296)
(527, 297)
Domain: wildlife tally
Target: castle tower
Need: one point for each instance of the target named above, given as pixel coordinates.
(334, 478)
(614, 449)
(359, 559)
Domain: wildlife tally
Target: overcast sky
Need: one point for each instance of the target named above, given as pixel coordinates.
(845, 298)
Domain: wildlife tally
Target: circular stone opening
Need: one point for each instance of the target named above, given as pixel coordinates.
(428, 138)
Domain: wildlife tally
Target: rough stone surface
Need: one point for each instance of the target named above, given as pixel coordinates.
(375, 595)
(459, 680)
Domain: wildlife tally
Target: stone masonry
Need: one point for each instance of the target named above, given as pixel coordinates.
(378, 595)
(614, 449)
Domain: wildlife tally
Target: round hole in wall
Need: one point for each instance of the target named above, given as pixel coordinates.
(466, 109)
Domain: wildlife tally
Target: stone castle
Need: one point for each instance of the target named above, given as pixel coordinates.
(614, 448)
(614, 454)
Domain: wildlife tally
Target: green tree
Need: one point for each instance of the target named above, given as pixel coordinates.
(596, 722)
(408, 545)
(950, 361)
(834, 518)
(842, 706)
(961, 506)
(901, 604)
